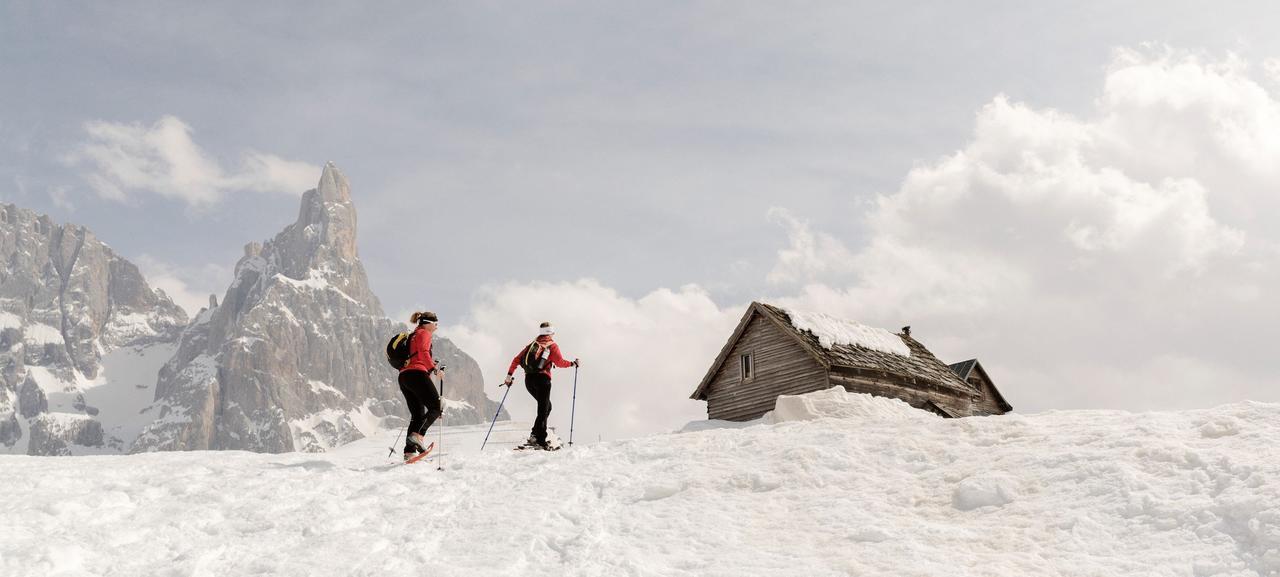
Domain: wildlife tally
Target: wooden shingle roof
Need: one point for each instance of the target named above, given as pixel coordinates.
(963, 368)
(920, 367)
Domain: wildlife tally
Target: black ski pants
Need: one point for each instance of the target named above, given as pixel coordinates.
(424, 402)
(539, 385)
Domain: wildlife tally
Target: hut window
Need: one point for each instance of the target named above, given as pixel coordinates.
(748, 367)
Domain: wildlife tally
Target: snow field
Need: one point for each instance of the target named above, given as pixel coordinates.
(122, 389)
(1091, 493)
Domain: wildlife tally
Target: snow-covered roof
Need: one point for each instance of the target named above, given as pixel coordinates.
(832, 332)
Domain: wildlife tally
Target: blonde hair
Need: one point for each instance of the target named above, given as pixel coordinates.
(423, 315)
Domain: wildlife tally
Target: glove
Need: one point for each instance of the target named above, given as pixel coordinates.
(575, 362)
(506, 383)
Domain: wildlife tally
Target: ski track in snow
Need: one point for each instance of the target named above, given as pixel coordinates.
(1079, 493)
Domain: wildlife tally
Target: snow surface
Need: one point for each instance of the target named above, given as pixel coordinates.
(318, 387)
(875, 492)
(125, 327)
(42, 334)
(49, 384)
(9, 320)
(124, 387)
(316, 281)
(832, 331)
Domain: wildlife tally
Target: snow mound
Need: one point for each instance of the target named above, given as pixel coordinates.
(838, 403)
(832, 332)
(985, 490)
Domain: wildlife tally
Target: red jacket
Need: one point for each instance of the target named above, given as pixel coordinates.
(420, 352)
(554, 358)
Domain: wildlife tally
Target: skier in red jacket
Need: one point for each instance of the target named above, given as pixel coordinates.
(537, 358)
(415, 383)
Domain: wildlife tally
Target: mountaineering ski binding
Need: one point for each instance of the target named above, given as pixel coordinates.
(532, 444)
(411, 458)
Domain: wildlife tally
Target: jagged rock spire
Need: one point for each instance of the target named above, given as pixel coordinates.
(333, 185)
(294, 357)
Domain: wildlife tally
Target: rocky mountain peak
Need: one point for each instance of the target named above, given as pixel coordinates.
(327, 219)
(293, 357)
(322, 242)
(333, 185)
(70, 310)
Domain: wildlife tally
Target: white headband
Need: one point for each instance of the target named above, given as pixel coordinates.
(544, 331)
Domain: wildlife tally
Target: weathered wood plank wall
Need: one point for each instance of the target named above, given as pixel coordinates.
(988, 404)
(782, 367)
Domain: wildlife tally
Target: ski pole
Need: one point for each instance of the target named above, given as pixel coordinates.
(495, 417)
(392, 449)
(440, 430)
(574, 405)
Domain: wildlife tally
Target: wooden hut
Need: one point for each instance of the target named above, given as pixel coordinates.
(771, 354)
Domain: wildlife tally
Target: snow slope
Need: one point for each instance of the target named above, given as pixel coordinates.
(125, 385)
(882, 490)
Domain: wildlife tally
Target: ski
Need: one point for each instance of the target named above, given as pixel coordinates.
(420, 456)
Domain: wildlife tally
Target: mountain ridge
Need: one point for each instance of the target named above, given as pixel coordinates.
(290, 360)
(68, 302)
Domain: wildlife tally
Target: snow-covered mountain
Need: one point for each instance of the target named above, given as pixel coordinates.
(93, 360)
(833, 484)
(292, 358)
(81, 337)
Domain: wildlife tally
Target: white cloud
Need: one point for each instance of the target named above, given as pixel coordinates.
(20, 186)
(1073, 253)
(641, 358)
(1271, 67)
(188, 287)
(59, 196)
(122, 159)
(810, 255)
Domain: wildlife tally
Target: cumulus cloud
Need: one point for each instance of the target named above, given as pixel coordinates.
(641, 357)
(809, 256)
(1271, 67)
(1070, 253)
(119, 160)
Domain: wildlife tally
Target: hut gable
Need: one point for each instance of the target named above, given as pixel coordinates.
(758, 363)
(771, 353)
(991, 402)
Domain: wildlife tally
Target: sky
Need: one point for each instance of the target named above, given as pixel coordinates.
(1082, 196)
